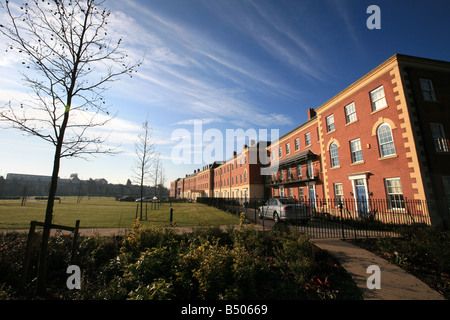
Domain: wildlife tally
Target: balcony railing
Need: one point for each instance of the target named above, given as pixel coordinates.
(309, 175)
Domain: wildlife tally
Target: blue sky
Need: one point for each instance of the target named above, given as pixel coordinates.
(230, 64)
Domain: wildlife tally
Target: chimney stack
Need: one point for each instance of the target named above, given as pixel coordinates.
(311, 113)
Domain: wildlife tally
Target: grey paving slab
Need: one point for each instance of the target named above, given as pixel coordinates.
(395, 283)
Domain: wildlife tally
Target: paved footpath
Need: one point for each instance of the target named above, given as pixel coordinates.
(395, 283)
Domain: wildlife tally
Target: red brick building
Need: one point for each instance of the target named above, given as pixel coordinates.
(297, 155)
(383, 137)
(197, 184)
(240, 176)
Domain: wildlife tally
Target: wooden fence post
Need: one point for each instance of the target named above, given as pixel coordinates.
(74, 242)
(26, 261)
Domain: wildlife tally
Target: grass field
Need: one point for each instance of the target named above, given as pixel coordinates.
(108, 213)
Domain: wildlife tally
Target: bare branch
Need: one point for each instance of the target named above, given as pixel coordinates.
(65, 43)
(145, 153)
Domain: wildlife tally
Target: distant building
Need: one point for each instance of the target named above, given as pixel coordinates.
(17, 184)
(240, 176)
(28, 177)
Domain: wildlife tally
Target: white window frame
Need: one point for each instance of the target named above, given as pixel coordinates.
(308, 139)
(395, 199)
(357, 143)
(385, 145)
(339, 197)
(297, 144)
(330, 123)
(441, 144)
(334, 155)
(427, 90)
(301, 195)
(350, 113)
(310, 170)
(288, 148)
(377, 99)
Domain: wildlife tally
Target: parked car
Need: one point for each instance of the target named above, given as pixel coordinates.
(285, 209)
(144, 199)
(128, 199)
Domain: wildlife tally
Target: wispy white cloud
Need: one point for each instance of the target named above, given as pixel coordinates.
(298, 51)
(263, 25)
(341, 7)
(203, 121)
(185, 68)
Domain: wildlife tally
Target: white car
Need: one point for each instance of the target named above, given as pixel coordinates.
(285, 209)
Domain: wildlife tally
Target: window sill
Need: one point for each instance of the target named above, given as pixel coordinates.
(331, 131)
(357, 120)
(357, 163)
(378, 110)
(388, 157)
(337, 167)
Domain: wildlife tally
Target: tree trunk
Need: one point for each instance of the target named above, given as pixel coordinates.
(142, 195)
(42, 264)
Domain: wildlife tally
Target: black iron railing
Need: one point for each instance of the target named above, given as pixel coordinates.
(343, 218)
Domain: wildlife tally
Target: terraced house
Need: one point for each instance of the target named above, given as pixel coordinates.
(240, 176)
(383, 137)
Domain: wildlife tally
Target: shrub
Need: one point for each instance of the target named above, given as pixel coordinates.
(152, 264)
(214, 271)
(160, 289)
(432, 244)
(12, 249)
(157, 263)
(141, 238)
(293, 257)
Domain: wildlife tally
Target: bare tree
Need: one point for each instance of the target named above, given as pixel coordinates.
(157, 167)
(69, 59)
(145, 150)
(162, 181)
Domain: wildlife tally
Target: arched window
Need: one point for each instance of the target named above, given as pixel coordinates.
(385, 140)
(334, 155)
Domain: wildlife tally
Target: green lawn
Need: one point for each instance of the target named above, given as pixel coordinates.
(108, 213)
